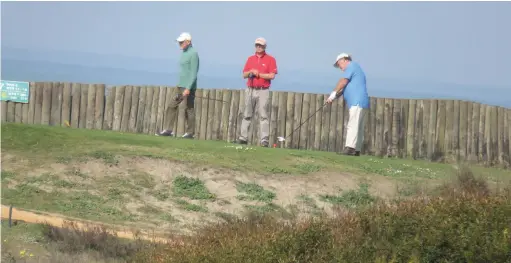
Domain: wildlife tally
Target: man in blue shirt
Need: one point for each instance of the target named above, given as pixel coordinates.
(353, 86)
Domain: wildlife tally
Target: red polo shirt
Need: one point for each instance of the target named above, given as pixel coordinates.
(264, 64)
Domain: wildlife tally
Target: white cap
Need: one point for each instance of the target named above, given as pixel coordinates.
(261, 41)
(184, 36)
(342, 55)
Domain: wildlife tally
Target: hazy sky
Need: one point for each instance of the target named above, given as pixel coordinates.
(455, 42)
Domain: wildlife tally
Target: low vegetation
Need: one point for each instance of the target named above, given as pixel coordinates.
(224, 205)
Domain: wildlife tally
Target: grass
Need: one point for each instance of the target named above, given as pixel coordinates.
(352, 198)
(254, 192)
(51, 144)
(192, 188)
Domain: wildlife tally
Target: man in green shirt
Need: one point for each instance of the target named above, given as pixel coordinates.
(189, 67)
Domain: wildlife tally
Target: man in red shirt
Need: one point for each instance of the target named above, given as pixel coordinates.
(260, 69)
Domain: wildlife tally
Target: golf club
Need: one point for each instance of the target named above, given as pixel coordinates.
(281, 138)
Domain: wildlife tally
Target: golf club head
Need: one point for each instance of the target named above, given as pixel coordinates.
(281, 139)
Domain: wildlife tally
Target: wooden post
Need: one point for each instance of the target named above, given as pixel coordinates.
(396, 127)
(217, 121)
(66, 104)
(197, 106)
(205, 115)
(469, 140)
(25, 107)
(46, 105)
(426, 115)
(482, 131)
(162, 96)
(148, 108)
(410, 132)
(56, 104)
(380, 126)
(226, 106)
(290, 126)
(339, 127)
(76, 91)
(83, 106)
(109, 109)
(462, 152)
(211, 115)
(332, 127)
(456, 131)
(233, 116)
(441, 129)
(135, 101)
(500, 136)
(449, 129)
(99, 111)
(494, 136)
(31, 105)
(487, 135)
(141, 108)
(432, 142)
(325, 124)
(304, 131)
(404, 126)
(154, 111)
(297, 120)
(474, 139)
(311, 126)
(91, 101)
(126, 109)
(118, 107)
(241, 114)
(282, 117)
(274, 117)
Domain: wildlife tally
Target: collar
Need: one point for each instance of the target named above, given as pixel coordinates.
(262, 55)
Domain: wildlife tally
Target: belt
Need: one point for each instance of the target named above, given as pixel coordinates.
(259, 87)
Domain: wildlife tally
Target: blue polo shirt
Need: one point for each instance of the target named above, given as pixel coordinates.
(355, 93)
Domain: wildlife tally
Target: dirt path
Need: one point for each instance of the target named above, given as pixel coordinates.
(56, 220)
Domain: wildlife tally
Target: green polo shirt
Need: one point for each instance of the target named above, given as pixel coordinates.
(189, 67)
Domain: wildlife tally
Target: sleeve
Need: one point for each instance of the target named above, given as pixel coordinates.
(247, 65)
(194, 69)
(348, 73)
(273, 66)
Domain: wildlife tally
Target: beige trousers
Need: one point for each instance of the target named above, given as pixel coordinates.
(256, 98)
(355, 128)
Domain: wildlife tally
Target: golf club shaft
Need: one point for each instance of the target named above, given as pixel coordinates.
(209, 99)
(305, 121)
(312, 116)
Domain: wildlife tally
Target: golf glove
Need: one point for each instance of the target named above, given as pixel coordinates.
(333, 95)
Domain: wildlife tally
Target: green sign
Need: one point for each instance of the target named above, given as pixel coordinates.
(15, 91)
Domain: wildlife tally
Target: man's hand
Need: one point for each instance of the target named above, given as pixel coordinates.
(332, 97)
(255, 71)
(186, 92)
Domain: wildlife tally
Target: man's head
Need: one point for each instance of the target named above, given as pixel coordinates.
(260, 45)
(342, 61)
(184, 40)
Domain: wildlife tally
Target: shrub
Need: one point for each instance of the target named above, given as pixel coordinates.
(465, 223)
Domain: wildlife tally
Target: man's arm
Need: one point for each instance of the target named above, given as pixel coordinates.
(194, 69)
(246, 69)
(273, 71)
(341, 84)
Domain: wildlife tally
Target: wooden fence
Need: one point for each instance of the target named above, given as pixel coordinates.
(437, 130)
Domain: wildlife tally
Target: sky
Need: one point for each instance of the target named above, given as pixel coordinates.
(434, 49)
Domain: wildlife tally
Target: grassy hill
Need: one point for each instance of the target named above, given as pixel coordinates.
(177, 187)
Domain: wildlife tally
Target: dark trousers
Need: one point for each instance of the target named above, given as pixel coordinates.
(173, 109)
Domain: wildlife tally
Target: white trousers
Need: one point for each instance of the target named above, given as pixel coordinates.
(355, 128)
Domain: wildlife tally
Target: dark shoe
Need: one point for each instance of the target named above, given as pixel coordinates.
(357, 153)
(165, 133)
(349, 151)
(240, 141)
(265, 144)
(187, 136)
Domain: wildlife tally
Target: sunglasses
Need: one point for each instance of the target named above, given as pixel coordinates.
(259, 45)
